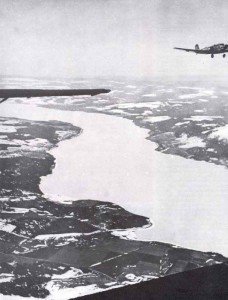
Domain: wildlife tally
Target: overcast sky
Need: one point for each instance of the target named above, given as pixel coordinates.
(111, 37)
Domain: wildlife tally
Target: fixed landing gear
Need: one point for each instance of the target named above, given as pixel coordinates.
(224, 55)
(212, 55)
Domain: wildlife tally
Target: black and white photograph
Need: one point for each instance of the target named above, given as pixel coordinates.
(113, 149)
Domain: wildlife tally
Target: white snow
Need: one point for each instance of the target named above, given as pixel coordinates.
(116, 91)
(120, 111)
(149, 95)
(196, 95)
(62, 235)
(63, 134)
(127, 234)
(147, 112)
(131, 86)
(100, 101)
(220, 133)
(59, 293)
(37, 144)
(180, 102)
(177, 105)
(4, 277)
(182, 123)
(203, 100)
(210, 150)
(11, 122)
(136, 279)
(188, 88)
(187, 96)
(16, 210)
(156, 119)
(7, 129)
(14, 297)
(198, 110)
(69, 274)
(208, 125)
(152, 105)
(56, 236)
(190, 142)
(112, 157)
(6, 227)
(7, 142)
(202, 118)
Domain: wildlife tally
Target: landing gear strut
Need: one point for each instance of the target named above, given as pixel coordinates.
(224, 55)
(212, 55)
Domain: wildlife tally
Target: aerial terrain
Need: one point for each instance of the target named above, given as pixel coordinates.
(59, 248)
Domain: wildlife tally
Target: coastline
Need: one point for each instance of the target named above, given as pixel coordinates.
(154, 164)
(174, 162)
(72, 249)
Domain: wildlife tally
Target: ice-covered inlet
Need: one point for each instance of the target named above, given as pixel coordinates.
(112, 161)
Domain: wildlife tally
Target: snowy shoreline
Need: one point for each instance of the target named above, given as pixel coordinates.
(112, 161)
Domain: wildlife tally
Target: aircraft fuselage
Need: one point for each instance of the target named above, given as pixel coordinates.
(215, 49)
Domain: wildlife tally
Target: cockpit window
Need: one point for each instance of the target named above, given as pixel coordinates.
(206, 48)
(219, 46)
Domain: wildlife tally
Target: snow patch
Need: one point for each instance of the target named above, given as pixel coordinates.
(131, 86)
(4, 277)
(157, 119)
(59, 293)
(7, 129)
(202, 118)
(69, 274)
(140, 105)
(149, 95)
(220, 133)
(181, 123)
(6, 227)
(191, 142)
(200, 94)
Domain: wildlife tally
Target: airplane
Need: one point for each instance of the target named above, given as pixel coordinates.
(29, 93)
(212, 50)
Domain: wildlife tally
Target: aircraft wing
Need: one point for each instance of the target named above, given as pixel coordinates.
(29, 93)
(188, 50)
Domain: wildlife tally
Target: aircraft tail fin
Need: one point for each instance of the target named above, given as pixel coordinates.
(197, 47)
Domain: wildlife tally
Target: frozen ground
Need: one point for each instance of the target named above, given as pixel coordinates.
(186, 209)
(125, 169)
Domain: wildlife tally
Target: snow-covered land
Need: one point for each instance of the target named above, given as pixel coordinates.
(112, 161)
